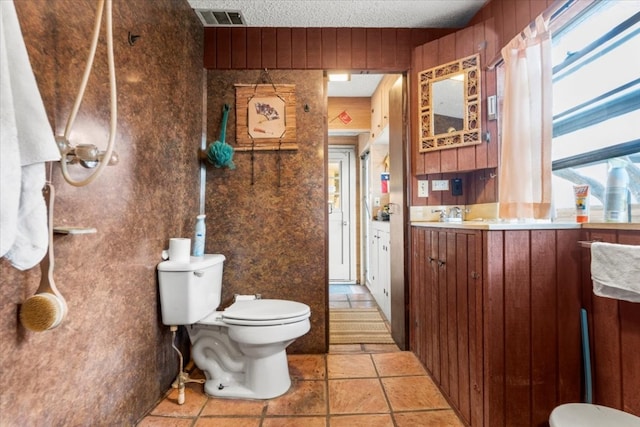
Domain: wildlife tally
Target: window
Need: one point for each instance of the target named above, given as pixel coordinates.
(596, 102)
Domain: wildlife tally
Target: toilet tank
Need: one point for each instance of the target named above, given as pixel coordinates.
(190, 291)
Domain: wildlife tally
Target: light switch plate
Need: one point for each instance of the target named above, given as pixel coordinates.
(456, 187)
(440, 185)
(423, 188)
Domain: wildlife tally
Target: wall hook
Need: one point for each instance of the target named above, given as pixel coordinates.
(133, 38)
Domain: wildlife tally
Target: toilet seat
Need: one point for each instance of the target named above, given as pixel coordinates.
(589, 415)
(260, 312)
(265, 312)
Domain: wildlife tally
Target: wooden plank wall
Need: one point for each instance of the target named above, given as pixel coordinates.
(366, 49)
(455, 163)
(531, 324)
(496, 24)
(614, 328)
(511, 17)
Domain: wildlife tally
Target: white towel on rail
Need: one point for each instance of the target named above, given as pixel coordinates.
(26, 142)
(615, 271)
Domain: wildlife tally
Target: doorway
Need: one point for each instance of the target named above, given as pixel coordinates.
(341, 205)
(376, 122)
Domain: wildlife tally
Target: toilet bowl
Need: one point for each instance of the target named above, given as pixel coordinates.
(589, 415)
(242, 349)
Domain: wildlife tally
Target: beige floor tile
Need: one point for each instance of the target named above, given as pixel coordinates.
(350, 366)
(397, 364)
(295, 422)
(413, 393)
(227, 422)
(446, 418)
(304, 398)
(338, 297)
(193, 403)
(152, 421)
(307, 366)
(358, 396)
(233, 407)
(369, 420)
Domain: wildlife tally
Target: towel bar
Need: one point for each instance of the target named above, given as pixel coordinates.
(586, 243)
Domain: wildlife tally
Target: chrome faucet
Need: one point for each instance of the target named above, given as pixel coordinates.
(443, 214)
(455, 212)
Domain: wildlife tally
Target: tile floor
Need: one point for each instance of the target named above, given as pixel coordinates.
(355, 385)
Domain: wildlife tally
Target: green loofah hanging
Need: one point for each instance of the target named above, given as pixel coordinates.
(220, 154)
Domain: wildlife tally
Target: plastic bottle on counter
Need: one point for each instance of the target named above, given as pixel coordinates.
(200, 234)
(616, 196)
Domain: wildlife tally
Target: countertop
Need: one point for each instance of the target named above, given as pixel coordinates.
(498, 225)
(526, 225)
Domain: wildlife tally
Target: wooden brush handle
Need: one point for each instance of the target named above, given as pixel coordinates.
(47, 263)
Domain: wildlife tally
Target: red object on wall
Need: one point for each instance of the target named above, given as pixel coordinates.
(384, 182)
(345, 117)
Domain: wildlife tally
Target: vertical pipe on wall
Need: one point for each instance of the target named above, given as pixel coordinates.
(203, 142)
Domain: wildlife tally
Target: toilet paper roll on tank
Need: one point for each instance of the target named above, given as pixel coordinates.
(179, 250)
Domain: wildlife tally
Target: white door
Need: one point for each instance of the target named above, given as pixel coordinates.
(341, 205)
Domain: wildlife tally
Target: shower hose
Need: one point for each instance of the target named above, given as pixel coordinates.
(102, 5)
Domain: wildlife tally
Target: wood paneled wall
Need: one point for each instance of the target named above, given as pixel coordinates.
(531, 324)
(510, 17)
(373, 49)
(479, 38)
(614, 328)
(496, 23)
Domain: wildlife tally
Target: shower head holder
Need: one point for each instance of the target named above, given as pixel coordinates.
(87, 155)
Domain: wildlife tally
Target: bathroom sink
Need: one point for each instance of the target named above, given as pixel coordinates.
(458, 220)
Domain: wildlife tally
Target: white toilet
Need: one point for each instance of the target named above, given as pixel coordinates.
(589, 415)
(241, 350)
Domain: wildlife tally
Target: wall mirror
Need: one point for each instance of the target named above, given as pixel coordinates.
(450, 105)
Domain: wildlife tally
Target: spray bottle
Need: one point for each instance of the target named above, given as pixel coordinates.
(616, 196)
(200, 233)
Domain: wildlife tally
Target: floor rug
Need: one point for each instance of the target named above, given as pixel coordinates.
(357, 326)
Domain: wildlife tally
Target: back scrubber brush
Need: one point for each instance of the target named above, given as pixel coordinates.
(47, 308)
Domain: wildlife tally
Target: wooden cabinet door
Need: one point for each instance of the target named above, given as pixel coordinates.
(416, 294)
(446, 304)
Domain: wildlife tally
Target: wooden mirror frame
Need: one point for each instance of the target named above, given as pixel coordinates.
(470, 134)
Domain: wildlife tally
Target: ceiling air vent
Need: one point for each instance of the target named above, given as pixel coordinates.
(220, 18)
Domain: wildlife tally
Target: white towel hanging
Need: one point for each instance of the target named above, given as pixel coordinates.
(615, 271)
(27, 142)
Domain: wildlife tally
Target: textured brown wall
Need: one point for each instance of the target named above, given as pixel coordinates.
(110, 360)
(273, 236)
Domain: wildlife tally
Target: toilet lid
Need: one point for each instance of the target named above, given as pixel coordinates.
(264, 312)
(587, 415)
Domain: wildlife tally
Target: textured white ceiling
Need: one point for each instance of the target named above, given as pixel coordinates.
(349, 13)
(362, 85)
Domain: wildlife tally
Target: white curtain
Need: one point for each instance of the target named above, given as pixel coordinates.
(525, 163)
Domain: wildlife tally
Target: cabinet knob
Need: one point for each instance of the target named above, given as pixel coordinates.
(431, 259)
(441, 263)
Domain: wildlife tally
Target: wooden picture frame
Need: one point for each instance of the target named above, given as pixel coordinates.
(265, 117)
(469, 133)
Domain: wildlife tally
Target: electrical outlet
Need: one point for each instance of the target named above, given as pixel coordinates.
(440, 185)
(423, 188)
(376, 201)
